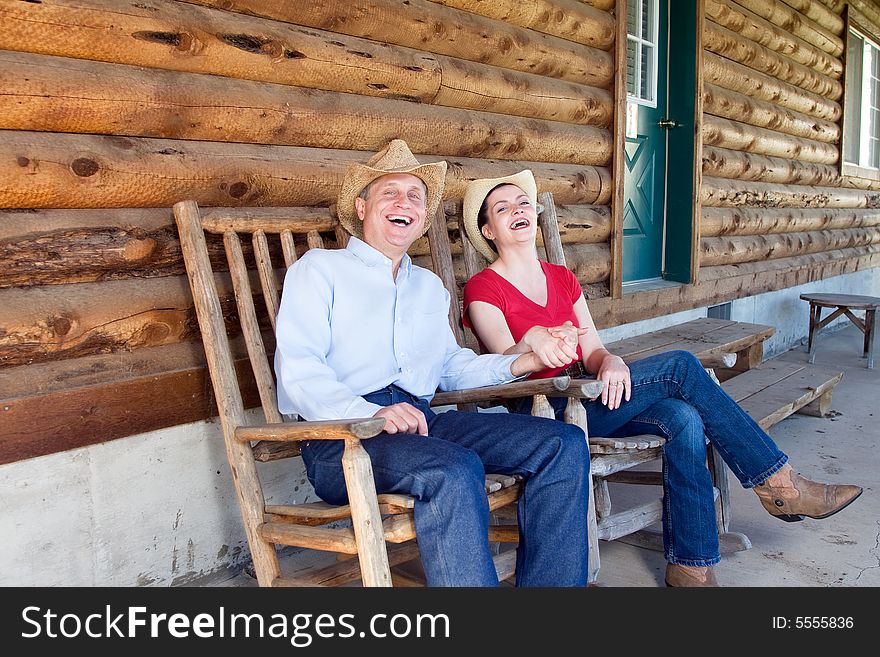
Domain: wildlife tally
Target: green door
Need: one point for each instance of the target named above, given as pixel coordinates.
(645, 143)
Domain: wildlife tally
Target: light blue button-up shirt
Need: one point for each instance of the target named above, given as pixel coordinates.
(346, 328)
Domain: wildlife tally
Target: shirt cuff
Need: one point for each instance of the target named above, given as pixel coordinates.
(361, 408)
(509, 376)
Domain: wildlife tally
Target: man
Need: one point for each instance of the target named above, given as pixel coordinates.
(362, 332)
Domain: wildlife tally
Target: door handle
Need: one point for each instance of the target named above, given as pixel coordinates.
(668, 124)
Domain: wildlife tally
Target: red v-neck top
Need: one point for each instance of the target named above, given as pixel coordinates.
(521, 313)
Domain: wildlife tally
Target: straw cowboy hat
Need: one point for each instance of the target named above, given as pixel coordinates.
(476, 193)
(394, 158)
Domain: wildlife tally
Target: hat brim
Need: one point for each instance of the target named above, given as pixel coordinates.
(476, 193)
(359, 176)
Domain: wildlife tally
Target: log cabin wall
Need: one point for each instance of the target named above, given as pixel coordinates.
(114, 110)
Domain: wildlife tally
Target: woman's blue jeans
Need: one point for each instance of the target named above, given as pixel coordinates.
(674, 397)
(445, 472)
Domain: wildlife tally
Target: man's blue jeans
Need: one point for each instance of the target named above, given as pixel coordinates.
(674, 397)
(445, 472)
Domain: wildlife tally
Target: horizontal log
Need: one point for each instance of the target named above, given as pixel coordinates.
(837, 5)
(62, 170)
(785, 17)
(736, 77)
(187, 38)
(591, 263)
(89, 400)
(719, 192)
(729, 250)
(764, 114)
(482, 87)
(800, 269)
(56, 94)
(731, 45)
(729, 282)
(743, 22)
(868, 9)
(578, 224)
(176, 36)
(57, 406)
(573, 21)
(70, 321)
(761, 141)
(819, 14)
(604, 5)
(423, 24)
(859, 183)
(48, 247)
(763, 221)
(724, 163)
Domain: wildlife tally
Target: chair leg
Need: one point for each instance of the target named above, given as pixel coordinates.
(366, 521)
(576, 414)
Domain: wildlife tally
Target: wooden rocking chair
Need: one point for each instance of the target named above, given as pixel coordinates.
(610, 458)
(375, 519)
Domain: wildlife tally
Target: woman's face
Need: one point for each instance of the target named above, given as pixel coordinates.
(511, 219)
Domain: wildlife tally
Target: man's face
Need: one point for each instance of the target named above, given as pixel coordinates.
(393, 213)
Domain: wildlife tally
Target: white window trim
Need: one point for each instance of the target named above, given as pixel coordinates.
(655, 31)
(856, 23)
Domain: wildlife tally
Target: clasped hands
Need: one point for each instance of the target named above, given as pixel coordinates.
(555, 346)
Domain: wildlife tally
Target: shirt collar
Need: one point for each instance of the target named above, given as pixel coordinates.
(373, 257)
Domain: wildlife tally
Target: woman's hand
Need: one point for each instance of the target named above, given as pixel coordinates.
(569, 333)
(618, 386)
(553, 351)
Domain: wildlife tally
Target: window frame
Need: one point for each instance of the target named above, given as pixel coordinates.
(638, 39)
(858, 22)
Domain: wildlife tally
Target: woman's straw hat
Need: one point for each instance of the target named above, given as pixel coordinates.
(394, 158)
(476, 193)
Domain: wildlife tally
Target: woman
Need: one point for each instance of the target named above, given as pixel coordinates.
(521, 304)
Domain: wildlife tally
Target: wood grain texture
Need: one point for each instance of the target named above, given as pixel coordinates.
(765, 114)
(424, 25)
(742, 21)
(53, 94)
(737, 77)
(76, 171)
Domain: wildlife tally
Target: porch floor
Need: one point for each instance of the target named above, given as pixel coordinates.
(843, 550)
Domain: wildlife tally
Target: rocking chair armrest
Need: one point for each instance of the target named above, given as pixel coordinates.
(319, 430)
(553, 387)
(583, 389)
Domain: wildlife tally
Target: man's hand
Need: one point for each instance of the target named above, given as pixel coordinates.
(569, 333)
(403, 418)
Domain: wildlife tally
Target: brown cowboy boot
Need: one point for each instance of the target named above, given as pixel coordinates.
(691, 576)
(805, 498)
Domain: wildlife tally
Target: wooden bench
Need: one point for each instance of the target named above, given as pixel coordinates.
(769, 392)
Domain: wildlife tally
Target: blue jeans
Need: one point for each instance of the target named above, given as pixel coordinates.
(445, 473)
(674, 397)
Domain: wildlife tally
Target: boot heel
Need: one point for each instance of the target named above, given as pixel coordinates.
(789, 518)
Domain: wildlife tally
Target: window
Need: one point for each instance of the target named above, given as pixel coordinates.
(861, 119)
(641, 51)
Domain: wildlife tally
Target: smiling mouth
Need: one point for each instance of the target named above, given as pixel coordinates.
(400, 220)
(519, 224)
